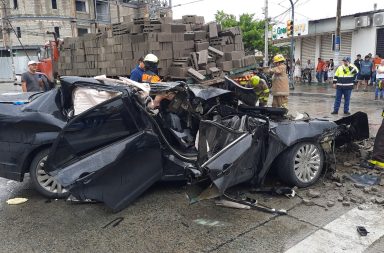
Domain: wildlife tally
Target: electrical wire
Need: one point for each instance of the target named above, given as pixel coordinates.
(14, 31)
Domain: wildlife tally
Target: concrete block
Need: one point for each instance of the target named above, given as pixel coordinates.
(165, 37)
(213, 30)
(215, 51)
(178, 28)
(234, 55)
(226, 66)
(237, 63)
(202, 57)
(189, 36)
(166, 28)
(201, 46)
(195, 74)
(200, 35)
(228, 48)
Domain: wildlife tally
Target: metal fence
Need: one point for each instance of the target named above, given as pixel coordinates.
(20, 62)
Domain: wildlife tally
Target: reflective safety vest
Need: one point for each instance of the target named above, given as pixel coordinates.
(150, 78)
(345, 76)
(243, 80)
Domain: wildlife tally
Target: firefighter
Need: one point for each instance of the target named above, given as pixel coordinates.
(261, 89)
(150, 69)
(280, 83)
(377, 160)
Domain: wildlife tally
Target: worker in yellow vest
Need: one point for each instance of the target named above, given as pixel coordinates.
(261, 89)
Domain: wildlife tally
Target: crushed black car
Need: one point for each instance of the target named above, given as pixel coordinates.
(106, 141)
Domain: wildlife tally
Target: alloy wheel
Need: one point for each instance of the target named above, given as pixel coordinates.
(307, 162)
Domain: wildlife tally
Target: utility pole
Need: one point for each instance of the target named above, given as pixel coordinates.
(5, 30)
(7, 42)
(266, 34)
(292, 86)
(337, 33)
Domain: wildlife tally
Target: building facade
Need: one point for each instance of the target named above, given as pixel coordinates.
(361, 33)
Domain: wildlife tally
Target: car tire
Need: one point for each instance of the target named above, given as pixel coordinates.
(42, 182)
(302, 164)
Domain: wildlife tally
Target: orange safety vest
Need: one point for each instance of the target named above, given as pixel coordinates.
(148, 78)
(243, 79)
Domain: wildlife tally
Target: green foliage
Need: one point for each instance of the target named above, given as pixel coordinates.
(252, 29)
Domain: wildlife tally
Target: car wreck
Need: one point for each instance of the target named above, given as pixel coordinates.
(110, 140)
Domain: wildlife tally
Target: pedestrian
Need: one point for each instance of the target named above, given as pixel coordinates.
(308, 70)
(30, 80)
(261, 89)
(150, 74)
(325, 71)
(280, 83)
(364, 74)
(331, 71)
(137, 73)
(319, 70)
(358, 61)
(298, 70)
(380, 81)
(343, 82)
(376, 62)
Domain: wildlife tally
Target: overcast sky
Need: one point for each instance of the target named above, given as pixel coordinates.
(304, 9)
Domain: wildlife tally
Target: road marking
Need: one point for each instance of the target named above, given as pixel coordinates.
(341, 235)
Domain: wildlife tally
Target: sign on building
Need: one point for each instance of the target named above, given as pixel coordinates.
(279, 31)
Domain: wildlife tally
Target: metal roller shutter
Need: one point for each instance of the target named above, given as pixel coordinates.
(380, 42)
(346, 45)
(326, 52)
(308, 49)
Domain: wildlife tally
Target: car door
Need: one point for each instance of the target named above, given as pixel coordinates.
(231, 151)
(106, 154)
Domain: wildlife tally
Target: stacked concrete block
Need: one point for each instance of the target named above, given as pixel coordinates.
(186, 48)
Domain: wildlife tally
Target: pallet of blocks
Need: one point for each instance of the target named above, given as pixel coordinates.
(186, 48)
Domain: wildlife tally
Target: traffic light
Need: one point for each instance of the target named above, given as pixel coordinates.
(290, 29)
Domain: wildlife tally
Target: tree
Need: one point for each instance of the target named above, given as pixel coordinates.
(252, 29)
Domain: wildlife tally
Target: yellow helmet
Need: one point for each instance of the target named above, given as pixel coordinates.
(278, 58)
(255, 80)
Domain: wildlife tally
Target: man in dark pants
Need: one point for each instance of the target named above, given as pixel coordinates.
(343, 82)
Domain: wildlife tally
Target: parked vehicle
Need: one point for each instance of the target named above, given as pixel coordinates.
(107, 142)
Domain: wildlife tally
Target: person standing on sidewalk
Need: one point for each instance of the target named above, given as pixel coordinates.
(331, 71)
(365, 73)
(320, 70)
(380, 81)
(343, 82)
(376, 62)
(280, 82)
(30, 80)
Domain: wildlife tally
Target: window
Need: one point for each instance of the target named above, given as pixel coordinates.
(57, 31)
(15, 4)
(54, 4)
(81, 6)
(81, 31)
(18, 32)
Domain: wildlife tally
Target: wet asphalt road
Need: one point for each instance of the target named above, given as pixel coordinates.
(162, 221)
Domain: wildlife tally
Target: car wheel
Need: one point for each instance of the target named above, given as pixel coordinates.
(44, 183)
(302, 164)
